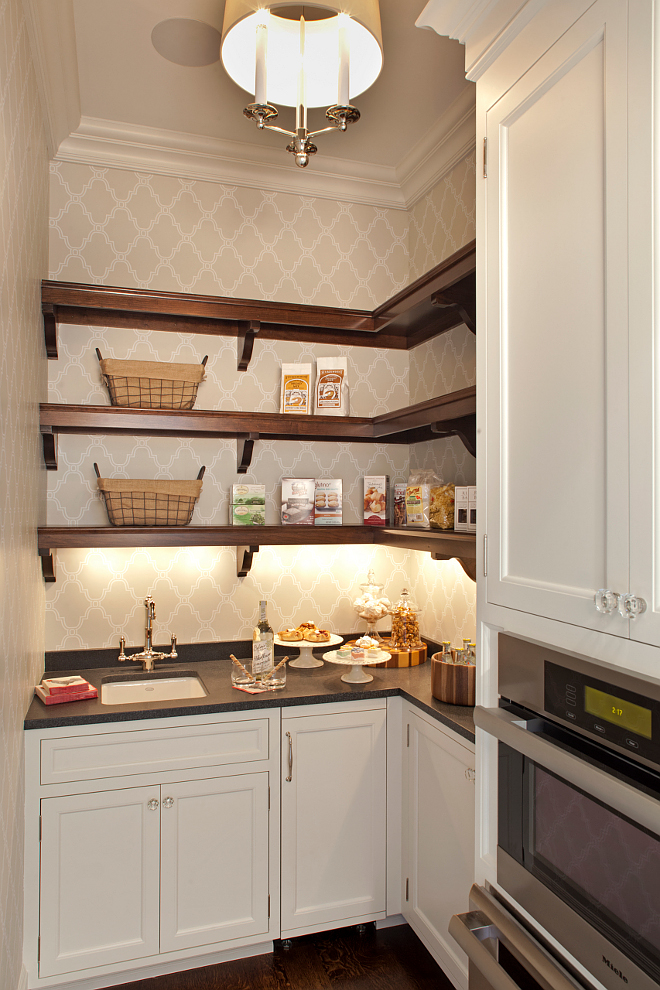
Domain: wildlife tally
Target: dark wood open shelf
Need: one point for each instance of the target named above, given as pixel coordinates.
(247, 539)
(441, 299)
(446, 415)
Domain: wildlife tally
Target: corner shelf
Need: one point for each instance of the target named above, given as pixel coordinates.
(447, 415)
(441, 544)
(435, 303)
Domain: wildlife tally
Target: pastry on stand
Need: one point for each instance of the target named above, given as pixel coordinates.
(356, 658)
(306, 638)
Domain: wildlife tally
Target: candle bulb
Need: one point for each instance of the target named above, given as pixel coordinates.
(301, 107)
(344, 65)
(260, 64)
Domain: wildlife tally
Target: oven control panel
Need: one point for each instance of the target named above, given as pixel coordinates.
(605, 711)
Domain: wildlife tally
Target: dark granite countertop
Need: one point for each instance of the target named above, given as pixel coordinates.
(304, 687)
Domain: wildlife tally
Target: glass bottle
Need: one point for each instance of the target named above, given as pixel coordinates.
(446, 656)
(263, 646)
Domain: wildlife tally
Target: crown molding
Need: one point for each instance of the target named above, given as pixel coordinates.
(52, 35)
(107, 143)
(485, 27)
(445, 144)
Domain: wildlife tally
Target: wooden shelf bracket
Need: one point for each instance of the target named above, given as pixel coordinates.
(244, 557)
(47, 565)
(464, 428)
(49, 312)
(468, 565)
(247, 331)
(462, 298)
(244, 449)
(49, 441)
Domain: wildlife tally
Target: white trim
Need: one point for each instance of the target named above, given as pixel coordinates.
(23, 979)
(112, 144)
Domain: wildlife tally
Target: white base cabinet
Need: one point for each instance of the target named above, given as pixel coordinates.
(334, 790)
(438, 836)
(193, 839)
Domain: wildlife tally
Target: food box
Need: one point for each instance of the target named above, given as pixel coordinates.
(400, 504)
(461, 509)
(472, 509)
(376, 502)
(298, 501)
(328, 502)
(418, 501)
(248, 494)
(441, 509)
(248, 515)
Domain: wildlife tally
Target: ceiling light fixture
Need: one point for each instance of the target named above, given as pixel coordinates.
(302, 56)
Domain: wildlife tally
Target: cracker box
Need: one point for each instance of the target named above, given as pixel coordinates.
(376, 501)
(327, 502)
(400, 504)
(298, 501)
(248, 494)
(472, 509)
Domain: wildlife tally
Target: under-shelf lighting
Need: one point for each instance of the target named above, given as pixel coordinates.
(302, 56)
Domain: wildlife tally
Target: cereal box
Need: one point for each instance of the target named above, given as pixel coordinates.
(400, 504)
(461, 509)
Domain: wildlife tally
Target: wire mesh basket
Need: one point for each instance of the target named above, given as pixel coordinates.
(139, 502)
(151, 384)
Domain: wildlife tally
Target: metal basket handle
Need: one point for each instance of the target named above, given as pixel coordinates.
(201, 473)
(98, 354)
(96, 468)
(204, 360)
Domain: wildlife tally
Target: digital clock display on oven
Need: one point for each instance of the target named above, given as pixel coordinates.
(617, 711)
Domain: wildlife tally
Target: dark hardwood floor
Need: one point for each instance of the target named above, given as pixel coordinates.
(345, 959)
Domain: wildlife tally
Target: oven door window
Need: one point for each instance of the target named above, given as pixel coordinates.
(605, 866)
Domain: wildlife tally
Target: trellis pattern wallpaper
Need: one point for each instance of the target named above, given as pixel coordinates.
(132, 229)
(442, 221)
(23, 262)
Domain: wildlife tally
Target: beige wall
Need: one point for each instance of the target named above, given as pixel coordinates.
(443, 220)
(23, 262)
(126, 228)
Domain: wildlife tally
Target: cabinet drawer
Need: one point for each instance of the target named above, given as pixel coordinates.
(118, 754)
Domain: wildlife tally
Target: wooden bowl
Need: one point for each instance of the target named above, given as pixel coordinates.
(453, 683)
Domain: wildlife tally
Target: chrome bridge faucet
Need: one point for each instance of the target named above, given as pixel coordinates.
(148, 656)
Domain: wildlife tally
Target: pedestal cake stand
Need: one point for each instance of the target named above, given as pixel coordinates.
(356, 675)
(306, 658)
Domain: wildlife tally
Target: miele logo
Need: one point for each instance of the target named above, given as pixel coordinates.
(616, 971)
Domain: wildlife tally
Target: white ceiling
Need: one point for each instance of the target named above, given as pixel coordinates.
(112, 99)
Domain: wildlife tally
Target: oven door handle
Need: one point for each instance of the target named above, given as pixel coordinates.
(617, 794)
(490, 920)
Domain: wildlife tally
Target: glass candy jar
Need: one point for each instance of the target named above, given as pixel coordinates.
(370, 606)
(405, 623)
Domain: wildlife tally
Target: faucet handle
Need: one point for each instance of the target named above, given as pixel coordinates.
(173, 652)
(122, 656)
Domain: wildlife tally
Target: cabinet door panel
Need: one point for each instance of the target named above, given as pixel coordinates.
(214, 860)
(557, 327)
(99, 879)
(438, 839)
(333, 819)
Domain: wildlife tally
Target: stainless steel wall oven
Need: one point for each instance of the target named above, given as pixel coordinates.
(579, 806)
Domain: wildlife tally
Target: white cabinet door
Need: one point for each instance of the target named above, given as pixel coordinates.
(557, 325)
(438, 837)
(333, 819)
(214, 860)
(99, 879)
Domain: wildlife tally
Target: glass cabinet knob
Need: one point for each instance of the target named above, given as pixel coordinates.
(630, 606)
(152, 805)
(168, 802)
(606, 600)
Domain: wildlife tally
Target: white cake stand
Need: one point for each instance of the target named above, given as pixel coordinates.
(306, 658)
(356, 675)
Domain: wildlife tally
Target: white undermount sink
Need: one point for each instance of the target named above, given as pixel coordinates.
(137, 689)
